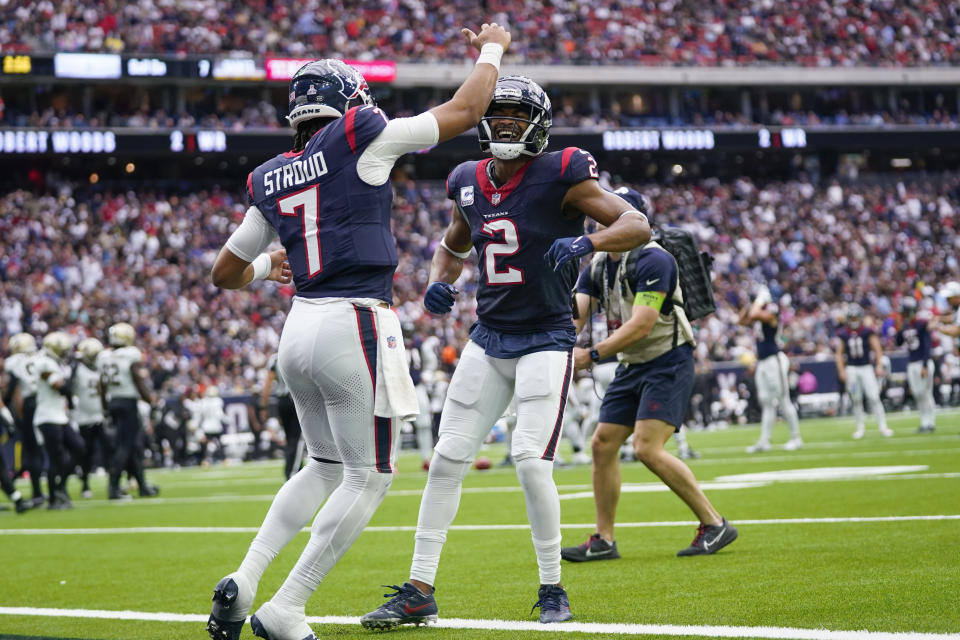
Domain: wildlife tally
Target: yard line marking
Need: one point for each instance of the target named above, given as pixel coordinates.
(472, 527)
(777, 633)
(627, 487)
(659, 487)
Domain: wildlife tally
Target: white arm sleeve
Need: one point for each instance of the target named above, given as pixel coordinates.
(252, 237)
(400, 136)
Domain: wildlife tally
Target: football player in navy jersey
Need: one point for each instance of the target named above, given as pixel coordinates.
(855, 342)
(915, 333)
(523, 211)
(771, 375)
(341, 353)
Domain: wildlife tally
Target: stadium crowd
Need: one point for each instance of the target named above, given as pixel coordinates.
(663, 32)
(80, 261)
(262, 115)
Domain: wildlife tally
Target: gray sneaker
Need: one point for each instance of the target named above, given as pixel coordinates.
(710, 539)
(595, 548)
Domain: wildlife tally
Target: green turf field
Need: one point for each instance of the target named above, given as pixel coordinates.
(865, 547)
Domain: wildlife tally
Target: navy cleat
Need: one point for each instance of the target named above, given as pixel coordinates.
(227, 615)
(710, 539)
(553, 603)
(595, 548)
(407, 605)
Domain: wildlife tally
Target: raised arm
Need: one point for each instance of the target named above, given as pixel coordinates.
(471, 100)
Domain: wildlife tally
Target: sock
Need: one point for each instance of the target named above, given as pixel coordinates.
(768, 416)
(335, 529)
(790, 415)
(574, 433)
(858, 413)
(880, 414)
(438, 507)
(292, 508)
(543, 512)
(424, 439)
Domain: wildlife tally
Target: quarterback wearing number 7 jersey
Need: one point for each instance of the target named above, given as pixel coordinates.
(523, 211)
(341, 353)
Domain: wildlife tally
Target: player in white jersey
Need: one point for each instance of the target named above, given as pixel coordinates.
(341, 352)
(51, 416)
(88, 408)
(211, 418)
(121, 368)
(286, 414)
(20, 394)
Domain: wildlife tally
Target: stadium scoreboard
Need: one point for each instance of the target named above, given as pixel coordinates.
(131, 141)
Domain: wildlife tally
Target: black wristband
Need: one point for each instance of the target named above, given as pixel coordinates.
(594, 355)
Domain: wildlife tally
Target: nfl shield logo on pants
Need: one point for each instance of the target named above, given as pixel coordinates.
(391, 342)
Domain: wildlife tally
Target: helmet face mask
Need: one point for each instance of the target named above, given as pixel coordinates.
(854, 314)
(57, 344)
(326, 89)
(89, 349)
(121, 334)
(522, 103)
(22, 343)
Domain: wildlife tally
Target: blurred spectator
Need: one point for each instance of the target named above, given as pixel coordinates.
(81, 261)
(811, 33)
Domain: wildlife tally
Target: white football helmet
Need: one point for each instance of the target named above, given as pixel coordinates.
(121, 334)
(22, 343)
(57, 344)
(88, 349)
(212, 391)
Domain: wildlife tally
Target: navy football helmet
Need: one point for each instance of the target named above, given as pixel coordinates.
(517, 91)
(636, 199)
(854, 314)
(326, 89)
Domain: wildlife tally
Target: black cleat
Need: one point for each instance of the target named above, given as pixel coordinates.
(37, 502)
(115, 493)
(224, 597)
(710, 539)
(23, 505)
(149, 491)
(595, 548)
(407, 605)
(553, 603)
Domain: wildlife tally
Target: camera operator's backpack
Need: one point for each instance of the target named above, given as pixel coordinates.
(693, 268)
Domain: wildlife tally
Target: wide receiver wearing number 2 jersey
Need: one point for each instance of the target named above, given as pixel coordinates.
(341, 353)
(523, 211)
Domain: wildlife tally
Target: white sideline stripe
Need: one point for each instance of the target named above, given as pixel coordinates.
(636, 487)
(471, 527)
(786, 633)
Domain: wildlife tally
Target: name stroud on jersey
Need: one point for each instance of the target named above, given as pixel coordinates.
(295, 173)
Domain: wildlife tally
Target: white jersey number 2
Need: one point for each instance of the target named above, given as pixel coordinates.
(509, 246)
(305, 204)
